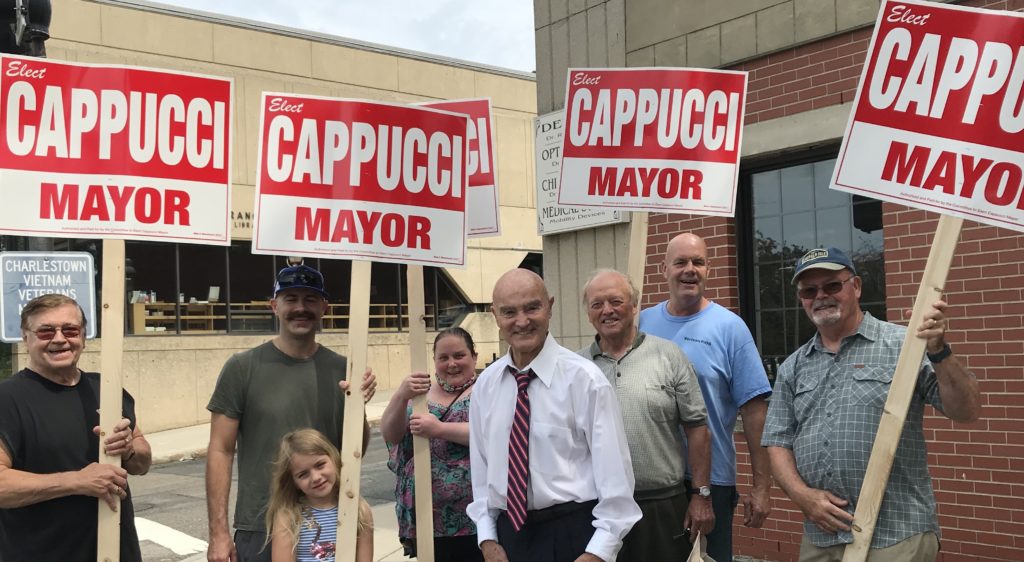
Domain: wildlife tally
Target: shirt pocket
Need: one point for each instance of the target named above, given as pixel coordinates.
(870, 387)
(661, 402)
(805, 395)
(552, 449)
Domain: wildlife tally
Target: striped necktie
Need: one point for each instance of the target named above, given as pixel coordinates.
(519, 451)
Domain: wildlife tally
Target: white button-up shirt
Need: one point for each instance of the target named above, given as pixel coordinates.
(578, 449)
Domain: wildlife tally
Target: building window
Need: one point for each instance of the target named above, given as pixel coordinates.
(195, 289)
(793, 210)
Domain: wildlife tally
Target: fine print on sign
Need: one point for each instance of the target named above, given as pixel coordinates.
(361, 179)
(552, 218)
(653, 139)
(938, 117)
(27, 275)
(483, 216)
(104, 151)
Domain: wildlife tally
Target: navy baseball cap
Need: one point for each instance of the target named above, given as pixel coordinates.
(832, 259)
(300, 277)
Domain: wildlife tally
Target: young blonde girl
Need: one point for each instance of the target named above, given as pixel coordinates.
(303, 512)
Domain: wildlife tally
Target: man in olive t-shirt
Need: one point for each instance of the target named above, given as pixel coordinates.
(288, 383)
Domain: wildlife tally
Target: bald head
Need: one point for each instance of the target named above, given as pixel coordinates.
(686, 270)
(687, 242)
(518, 279)
(522, 308)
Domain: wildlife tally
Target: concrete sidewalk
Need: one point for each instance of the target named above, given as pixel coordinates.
(190, 442)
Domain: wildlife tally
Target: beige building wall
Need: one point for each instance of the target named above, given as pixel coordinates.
(677, 33)
(171, 377)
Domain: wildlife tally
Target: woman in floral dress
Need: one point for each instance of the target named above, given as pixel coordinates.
(447, 426)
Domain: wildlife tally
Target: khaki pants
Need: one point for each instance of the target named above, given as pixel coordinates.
(918, 548)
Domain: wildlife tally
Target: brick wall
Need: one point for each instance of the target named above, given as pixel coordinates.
(977, 469)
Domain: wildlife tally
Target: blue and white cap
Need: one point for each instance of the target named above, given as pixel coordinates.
(832, 259)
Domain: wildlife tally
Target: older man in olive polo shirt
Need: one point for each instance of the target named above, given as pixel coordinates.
(658, 392)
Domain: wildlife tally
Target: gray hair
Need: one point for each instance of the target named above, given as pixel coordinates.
(634, 293)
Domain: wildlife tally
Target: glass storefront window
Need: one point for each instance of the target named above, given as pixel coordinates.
(793, 211)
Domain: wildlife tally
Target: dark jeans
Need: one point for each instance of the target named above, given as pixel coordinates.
(723, 501)
(249, 545)
(559, 533)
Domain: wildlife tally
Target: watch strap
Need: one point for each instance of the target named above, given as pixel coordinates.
(939, 357)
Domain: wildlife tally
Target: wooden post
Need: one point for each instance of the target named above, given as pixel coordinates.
(108, 533)
(355, 413)
(901, 391)
(637, 250)
(421, 445)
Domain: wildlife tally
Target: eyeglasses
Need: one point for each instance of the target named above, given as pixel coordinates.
(830, 288)
(47, 333)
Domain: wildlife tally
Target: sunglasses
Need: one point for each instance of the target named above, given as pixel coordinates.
(47, 333)
(305, 278)
(830, 288)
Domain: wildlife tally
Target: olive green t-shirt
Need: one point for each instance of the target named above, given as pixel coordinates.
(270, 394)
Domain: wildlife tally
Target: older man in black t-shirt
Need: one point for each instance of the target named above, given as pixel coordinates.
(49, 446)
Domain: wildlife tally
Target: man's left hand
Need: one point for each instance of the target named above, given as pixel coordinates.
(368, 388)
(588, 557)
(756, 507)
(700, 517)
(933, 327)
(119, 442)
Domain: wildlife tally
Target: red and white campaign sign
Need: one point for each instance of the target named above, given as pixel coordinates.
(482, 213)
(361, 179)
(653, 139)
(937, 121)
(105, 151)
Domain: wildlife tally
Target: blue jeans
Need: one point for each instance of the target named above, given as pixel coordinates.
(249, 545)
(724, 500)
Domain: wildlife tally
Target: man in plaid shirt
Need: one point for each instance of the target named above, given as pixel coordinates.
(826, 407)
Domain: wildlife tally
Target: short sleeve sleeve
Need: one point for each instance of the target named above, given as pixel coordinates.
(689, 400)
(749, 379)
(780, 423)
(229, 393)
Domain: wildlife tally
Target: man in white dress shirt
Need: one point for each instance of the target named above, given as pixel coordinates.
(578, 501)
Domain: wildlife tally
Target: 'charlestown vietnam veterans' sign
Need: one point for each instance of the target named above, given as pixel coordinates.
(653, 139)
(356, 179)
(27, 275)
(105, 151)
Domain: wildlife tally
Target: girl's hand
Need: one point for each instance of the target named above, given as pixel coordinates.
(425, 425)
(414, 385)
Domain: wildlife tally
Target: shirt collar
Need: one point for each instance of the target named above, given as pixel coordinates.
(595, 346)
(544, 364)
(868, 329)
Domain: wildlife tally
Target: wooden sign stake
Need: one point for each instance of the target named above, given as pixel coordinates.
(637, 250)
(355, 413)
(901, 391)
(421, 445)
(108, 532)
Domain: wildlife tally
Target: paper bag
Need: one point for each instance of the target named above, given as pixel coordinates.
(700, 550)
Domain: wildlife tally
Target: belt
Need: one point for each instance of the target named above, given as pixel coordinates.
(557, 511)
(659, 493)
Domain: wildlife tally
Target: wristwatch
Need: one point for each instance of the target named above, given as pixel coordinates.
(703, 491)
(939, 357)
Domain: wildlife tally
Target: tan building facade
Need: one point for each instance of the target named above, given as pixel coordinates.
(172, 358)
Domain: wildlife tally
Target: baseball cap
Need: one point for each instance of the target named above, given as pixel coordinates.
(300, 277)
(832, 259)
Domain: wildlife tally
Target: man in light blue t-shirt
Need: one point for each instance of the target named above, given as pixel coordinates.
(731, 376)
